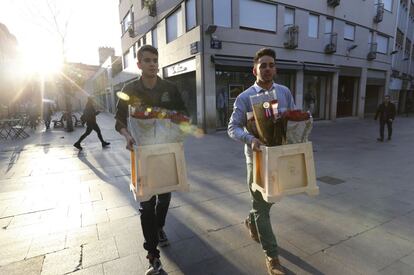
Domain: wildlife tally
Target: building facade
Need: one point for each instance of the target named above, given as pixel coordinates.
(338, 57)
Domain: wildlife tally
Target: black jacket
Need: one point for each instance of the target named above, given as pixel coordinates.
(89, 113)
(165, 95)
(385, 113)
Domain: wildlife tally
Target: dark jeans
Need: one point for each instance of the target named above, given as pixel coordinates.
(382, 126)
(89, 127)
(153, 214)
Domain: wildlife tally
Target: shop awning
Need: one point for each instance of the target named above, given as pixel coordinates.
(248, 62)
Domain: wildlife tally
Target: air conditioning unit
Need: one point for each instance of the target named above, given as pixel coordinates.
(130, 30)
(292, 37)
(373, 52)
(333, 3)
(380, 13)
(152, 9)
(330, 48)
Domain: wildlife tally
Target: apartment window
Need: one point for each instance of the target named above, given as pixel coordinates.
(154, 38)
(370, 37)
(399, 39)
(329, 25)
(387, 4)
(174, 25)
(382, 42)
(349, 32)
(289, 16)
(190, 14)
(257, 15)
(313, 26)
(222, 13)
(126, 59)
(126, 22)
(407, 46)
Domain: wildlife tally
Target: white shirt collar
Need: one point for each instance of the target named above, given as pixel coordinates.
(258, 88)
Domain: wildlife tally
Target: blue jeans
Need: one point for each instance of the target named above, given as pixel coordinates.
(259, 217)
(153, 214)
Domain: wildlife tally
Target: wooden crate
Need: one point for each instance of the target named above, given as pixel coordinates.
(157, 169)
(284, 170)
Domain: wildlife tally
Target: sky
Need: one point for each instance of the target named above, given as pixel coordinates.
(90, 24)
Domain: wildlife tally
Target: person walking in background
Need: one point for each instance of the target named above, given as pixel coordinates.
(386, 115)
(33, 116)
(408, 105)
(47, 114)
(89, 115)
(258, 222)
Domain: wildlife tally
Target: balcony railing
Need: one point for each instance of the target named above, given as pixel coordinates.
(330, 47)
(372, 54)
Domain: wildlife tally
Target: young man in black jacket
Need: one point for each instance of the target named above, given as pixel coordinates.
(149, 91)
(386, 114)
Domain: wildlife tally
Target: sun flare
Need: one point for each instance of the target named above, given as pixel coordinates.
(41, 59)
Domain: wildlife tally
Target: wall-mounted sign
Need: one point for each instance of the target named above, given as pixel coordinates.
(194, 48)
(180, 68)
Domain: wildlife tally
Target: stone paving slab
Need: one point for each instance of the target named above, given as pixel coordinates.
(56, 203)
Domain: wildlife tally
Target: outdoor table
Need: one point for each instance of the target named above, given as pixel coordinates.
(6, 127)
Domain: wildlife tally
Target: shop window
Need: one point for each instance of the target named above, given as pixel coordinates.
(222, 13)
(174, 25)
(313, 26)
(258, 15)
(190, 14)
(349, 32)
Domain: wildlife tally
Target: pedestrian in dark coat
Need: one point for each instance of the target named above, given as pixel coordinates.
(89, 115)
(386, 115)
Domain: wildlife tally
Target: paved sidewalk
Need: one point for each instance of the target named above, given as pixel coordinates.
(66, 212)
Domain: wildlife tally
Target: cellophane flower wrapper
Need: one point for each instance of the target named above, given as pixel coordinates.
(150, 131)
(299, 126)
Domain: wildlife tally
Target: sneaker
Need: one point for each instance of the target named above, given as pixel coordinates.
(104, 144)
(252, 230)
(78, 146)
(274, 267)
(154, 267)
(162, 238)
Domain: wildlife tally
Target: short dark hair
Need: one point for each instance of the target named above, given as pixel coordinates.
(146, 48)
(262, 52)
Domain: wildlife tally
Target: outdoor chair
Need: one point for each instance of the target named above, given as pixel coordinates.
(78, 122)
(18, 130)
(58, 123)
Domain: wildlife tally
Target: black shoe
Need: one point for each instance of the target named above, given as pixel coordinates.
(155, 266)
(78, 146)
(104, 144)
(380, 139)
(389, 138)
(162, 238)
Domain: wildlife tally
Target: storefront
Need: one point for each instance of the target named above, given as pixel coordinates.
(231, 81)
(347, 96)
(184, 76)
(315, 94)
